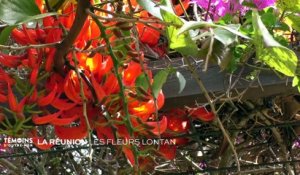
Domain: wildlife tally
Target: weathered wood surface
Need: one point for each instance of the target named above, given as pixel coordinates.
(217, 82)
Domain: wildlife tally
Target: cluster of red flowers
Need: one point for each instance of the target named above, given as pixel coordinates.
(59, 98)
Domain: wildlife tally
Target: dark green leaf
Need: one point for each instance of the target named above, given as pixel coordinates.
(270, 51)
(269, 19)
(159, 80)
(282, 26)
(181, 80)
(4, 35)
(248, 4)
(20, 11)
(141, 81)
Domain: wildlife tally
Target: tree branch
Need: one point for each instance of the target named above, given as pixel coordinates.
(63, 48)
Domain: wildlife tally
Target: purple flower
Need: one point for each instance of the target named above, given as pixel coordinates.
(219, 8)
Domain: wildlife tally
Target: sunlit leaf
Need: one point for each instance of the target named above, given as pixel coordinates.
(295, 81)
(295, 21)
(289, 5)
(270, 51)
(180, 43)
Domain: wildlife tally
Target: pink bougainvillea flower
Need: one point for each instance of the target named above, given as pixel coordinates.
(219, 8)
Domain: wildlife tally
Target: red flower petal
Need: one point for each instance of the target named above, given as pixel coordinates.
(167, 151)
(178, 9)
(99, 90)
(49, 60)
(46, 100)
(39, 120)
(33, 97)
(158, 127)
(129, 154)
(19, 36)
(202, 114)
(70, 90)
(41, 143)
(148, 35)
(12, 101)
(62, 104)
(20, 106)
(111, 84)
(11, 61)
(131, 73)
(3, 98)
(30, 35)
(34, 75)
(104, 132)
(64, 121)
(79, 132)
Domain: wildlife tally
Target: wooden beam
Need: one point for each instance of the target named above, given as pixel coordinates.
(217, 82)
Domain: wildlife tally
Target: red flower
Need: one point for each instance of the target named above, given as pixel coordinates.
(11, 61)
(129, 154)
(46, 100)
(167, 151)
(159, 127)
(138, 108)
(148, 35)
(76, 132)
(62, 104)
(131, 73)
(202, 114)
(39, 120)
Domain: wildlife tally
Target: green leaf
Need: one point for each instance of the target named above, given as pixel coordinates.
(159, 80)
(151, 7)
(180, 43)
(20, 11)
(4, 35)
(181, 80)
(270, 51)
(269, 19)
(289, 5)
(203, 24)
(224, 36)
(141, 81)
(248, 4)
(295, 21)
(295, 81)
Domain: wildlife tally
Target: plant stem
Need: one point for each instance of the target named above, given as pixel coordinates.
(116, 63)
(207, 11)
(63, 47)
(212, 106)
(84, 108)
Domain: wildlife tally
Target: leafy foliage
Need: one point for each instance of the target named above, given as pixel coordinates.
(271, 52)
(20, 11)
